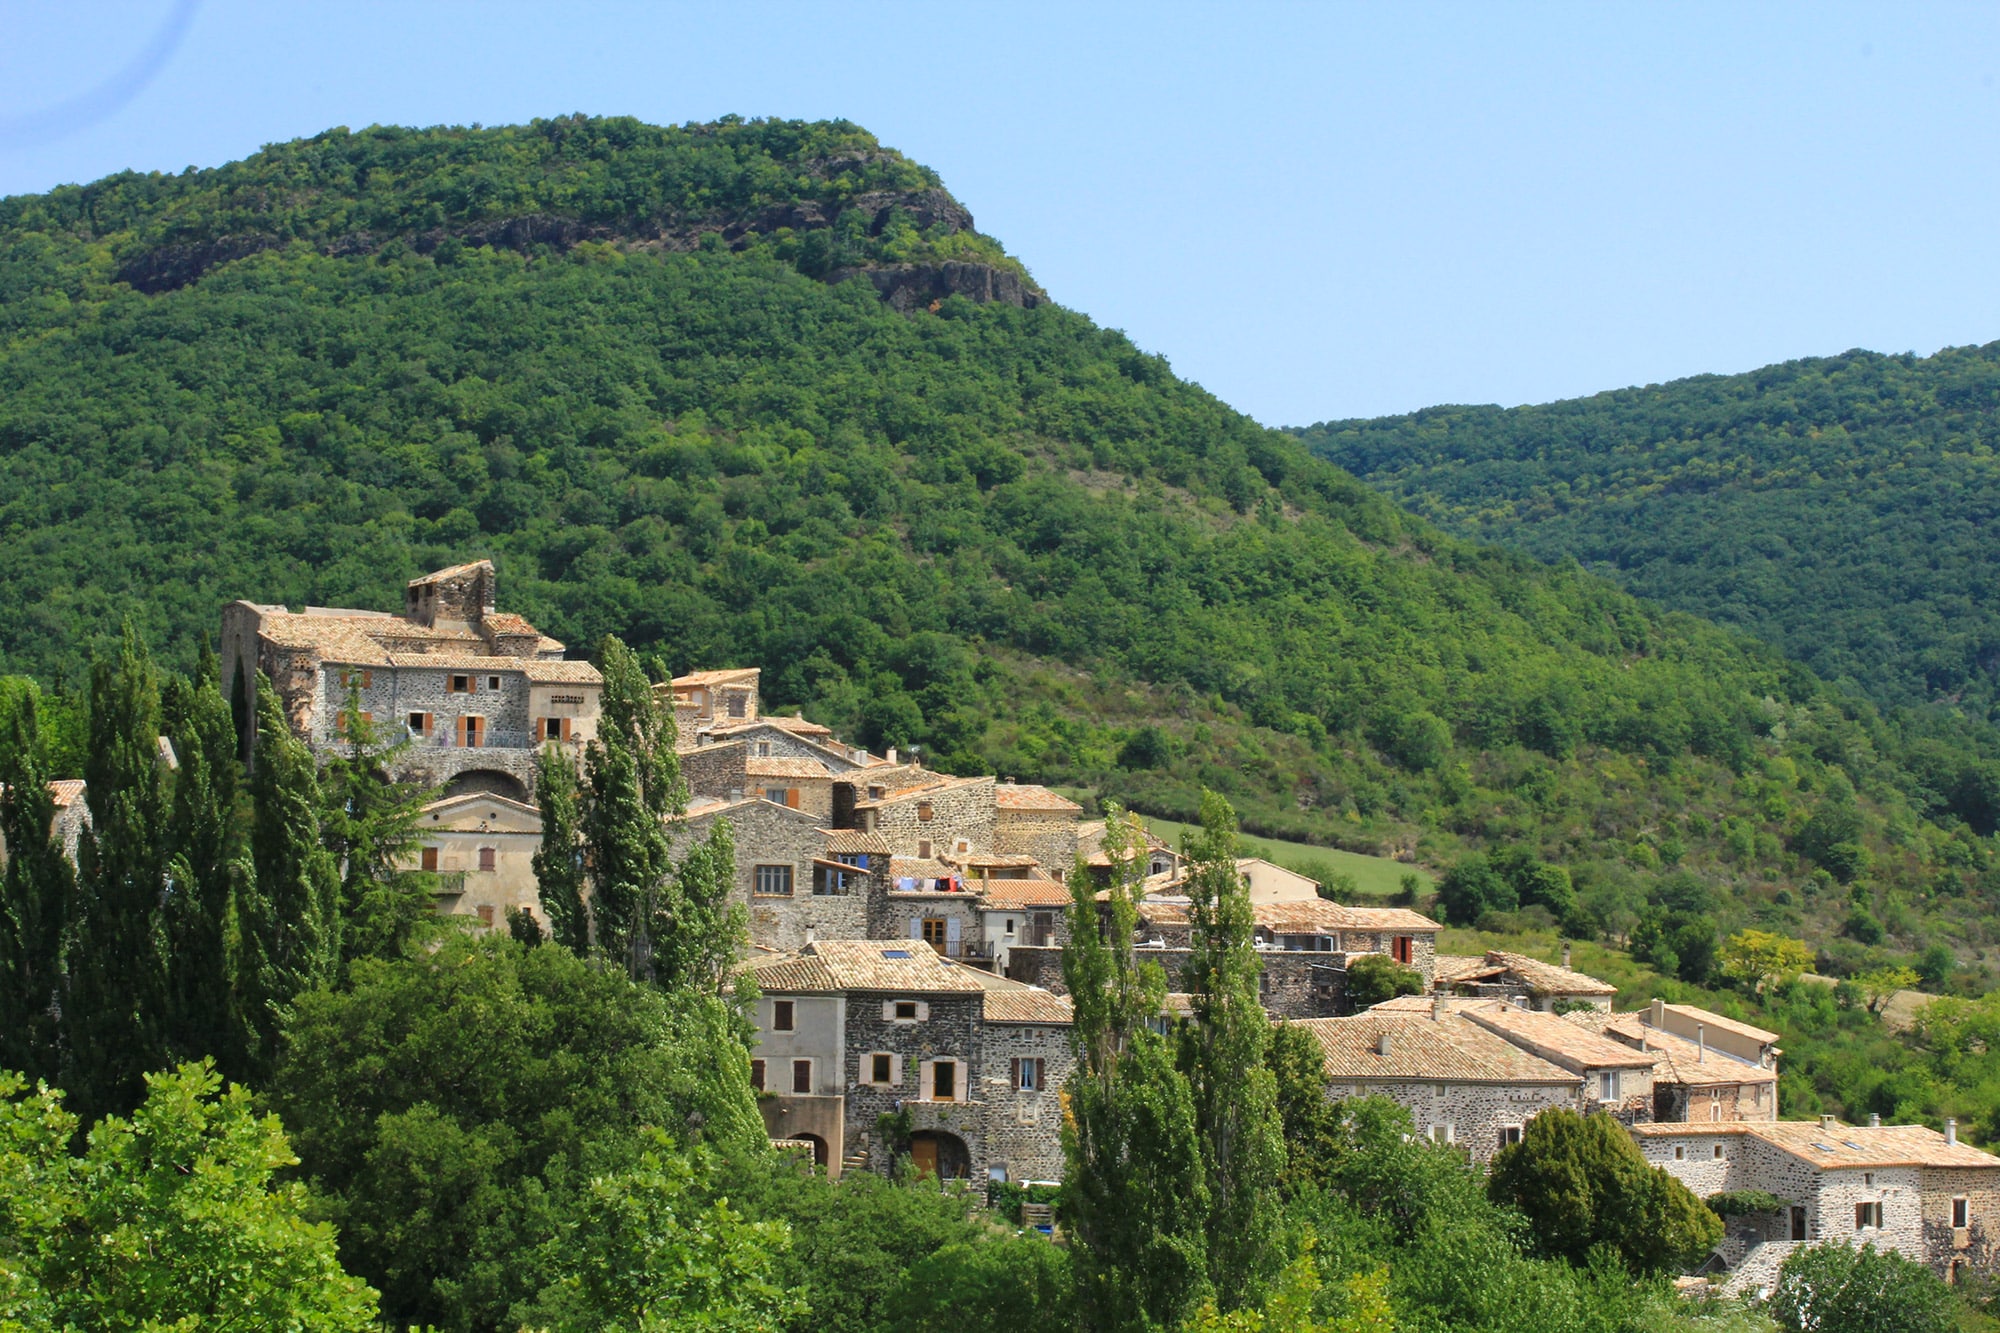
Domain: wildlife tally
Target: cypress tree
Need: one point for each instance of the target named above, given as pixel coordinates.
(115, 1005)
(205, 864)
(559, 858)
(1223, 1051)
(632, 785)
(1135, 1199)
(35, 889)
(369, 825)
(292, 911)
(694, 951)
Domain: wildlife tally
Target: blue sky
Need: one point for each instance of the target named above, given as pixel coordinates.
(1313, 210)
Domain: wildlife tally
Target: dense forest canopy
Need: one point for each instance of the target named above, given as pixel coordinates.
(1841, 508)
(623, 361)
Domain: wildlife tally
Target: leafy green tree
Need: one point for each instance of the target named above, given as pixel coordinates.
(992, 1286)
(452, 1107)
(559, 864)
(1223, 1051)
(1422, 741)
(1760, 958)
(1375, 977)
(174, 1218)
(368, 823)
(114, 1009)
(36, 883)
(291, 909)
(1472, 888)
(1135, 1196)
(207, 863)
(1837, 1288)
(644, 1253)
(632, 782)
(1582, 1182)
(1310, 1120)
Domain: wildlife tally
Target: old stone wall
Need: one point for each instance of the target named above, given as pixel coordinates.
(1977, 1244)
(1423, 948)
(1047, 836)
(961, 810)
(1023, 1130)
(947, 1030)
(716, 771)
(1681, 1103)
(1470, 1115)
(770, 834)
(900, 916)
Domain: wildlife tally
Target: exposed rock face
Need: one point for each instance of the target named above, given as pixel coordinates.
(903, 286)
(907, 287)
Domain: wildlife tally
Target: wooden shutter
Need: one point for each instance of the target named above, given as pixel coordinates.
(791, 798)
(1014, 1072)
(430, 858)
(539, 738)
(459, 725)
(1041, 1074)
(916, 927)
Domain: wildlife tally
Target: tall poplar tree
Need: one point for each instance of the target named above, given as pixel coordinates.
(1135, 1197)
(559, 856)
(35, 889)
(292, 911)
(206, 862)
(369, 823)
(1223, 1051)
(114, 1010)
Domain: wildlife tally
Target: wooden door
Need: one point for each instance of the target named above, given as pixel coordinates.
(934, 932)
(923, 1153)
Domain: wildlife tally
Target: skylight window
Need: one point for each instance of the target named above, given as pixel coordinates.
(1852, 1144)
(1823, 1147)
(896, 953)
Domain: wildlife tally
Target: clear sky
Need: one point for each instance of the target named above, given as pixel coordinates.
(1313, 210)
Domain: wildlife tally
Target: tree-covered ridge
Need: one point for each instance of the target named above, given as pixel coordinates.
(994, 531)
(1840, 507)
(824, 195)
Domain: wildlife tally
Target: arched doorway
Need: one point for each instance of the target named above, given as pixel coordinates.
(939, 1154)
(818, 1147)
(486, 782)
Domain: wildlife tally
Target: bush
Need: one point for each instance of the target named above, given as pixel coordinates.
(1375, 977)
(1837, 1288)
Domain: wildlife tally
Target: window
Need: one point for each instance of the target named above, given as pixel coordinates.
(430, 861)
(471, 731)
(552, 728)
(757, 1075)
(1010, 925)
(485, 913)
(944, 1081)
(1718, 1152)
(1441, 1133)
(1868, 1180)
(459, 685)
(763, 749)
(1029, 1074)
(1403, 949)
(1680, 1152)
(783, 1014)
(493, 682)
(1961, 1214)
(774, 881)
(881, 1068)
(1607, 1085)
(488, 858)
(923, 812)
(785, 796)
(1509, 1135)
(923, 849)
(357, 678)
(877, 793)
(739, 706)
(1867, 1216)
(934, 932)
(802, 1076)
(906, 1011)
(1798, 1222)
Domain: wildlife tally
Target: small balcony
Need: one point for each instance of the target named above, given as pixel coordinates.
(450, 883)
(487, 740)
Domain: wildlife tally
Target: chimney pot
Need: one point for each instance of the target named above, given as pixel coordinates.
(1874, 1120)
(1659, 1015)
(1950, 1130)
(809, 934)
(890, 754)
(1437, 1007)
(1382, 1044)
(1826, 1122)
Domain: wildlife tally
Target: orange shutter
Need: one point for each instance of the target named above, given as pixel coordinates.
(792, 798)
(539, 738)
(460, 726)
(564, 723)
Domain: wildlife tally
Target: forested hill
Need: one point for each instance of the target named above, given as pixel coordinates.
(1841, 508)
(724, 389)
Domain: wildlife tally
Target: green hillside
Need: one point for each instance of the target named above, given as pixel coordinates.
(1841, 508)
(757, 392)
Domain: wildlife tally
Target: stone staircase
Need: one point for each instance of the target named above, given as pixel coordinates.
(854, 1161)
(1755, 1271)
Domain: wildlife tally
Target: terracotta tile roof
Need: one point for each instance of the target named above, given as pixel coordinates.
(1451, 1050)
(1019, 894)
(1833, 1147)
(1025, 796)
(995, 860)
(506, 622)
(1547, 978)
(1681, 1061)
(66, 792)
(1452, 968)
(865, 965)
(1453, 1004)
(785, 768)
(452, 572)
(937, 782)
(724, 676)
(539, 671)
(1027, 1006)
(853, 842)
(1567, 1044)
(1304, 918)
(917, 867)
(1710, 1018)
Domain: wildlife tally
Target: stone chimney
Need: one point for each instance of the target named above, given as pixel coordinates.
(1874, 1120)
(455, 598)
(1950, 1130)
(809, 937)
(1437, 1007)
(1565, 953)
(1700, 1042)
(1382, 1044)
(1658, 1018)
(1826, 1122)
(890, 754)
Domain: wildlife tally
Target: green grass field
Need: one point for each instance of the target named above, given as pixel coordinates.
(1375, 876)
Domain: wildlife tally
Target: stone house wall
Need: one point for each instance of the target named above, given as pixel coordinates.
(948, 1029)
(716, 771)
(1045, 835)
(1023, 1130)
(961, 810)
(1720, 1103)
(1475, 1113)
(769, 741)
(1977, 1244)
(899, 916)
(769, 834)
(1423, 948)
